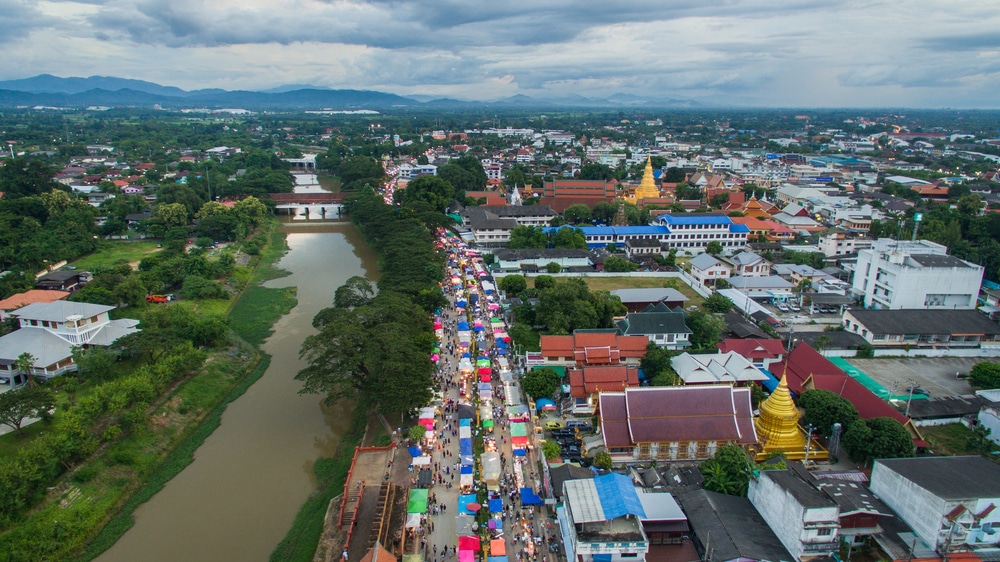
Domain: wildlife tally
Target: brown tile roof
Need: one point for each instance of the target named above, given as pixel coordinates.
(15, 302)
(589, 380)
(753, 348)
(614, 420)
(694, 413)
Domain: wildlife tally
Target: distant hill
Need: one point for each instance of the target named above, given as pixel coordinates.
(48, 90)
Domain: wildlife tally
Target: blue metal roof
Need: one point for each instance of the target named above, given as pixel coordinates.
(699, 219)
(649, 229)
(739, 228)
(618, 497)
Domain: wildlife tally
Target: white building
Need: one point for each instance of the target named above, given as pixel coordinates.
(706, 268)
(716, 368)
(920, 274)
(600, 520)
(804, 519)
(49, 331)
(839, 243)
(949, 502)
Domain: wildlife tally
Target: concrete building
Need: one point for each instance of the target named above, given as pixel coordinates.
(924, 328)
(535, 259)
(897, 274)
(661, 325)
(805, 520)
(950, 502)
(706, 269)
(601, 520)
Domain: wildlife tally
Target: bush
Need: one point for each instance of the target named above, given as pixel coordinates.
(198, 287)
(985, 375)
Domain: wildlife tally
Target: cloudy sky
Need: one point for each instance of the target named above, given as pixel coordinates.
(901, 53)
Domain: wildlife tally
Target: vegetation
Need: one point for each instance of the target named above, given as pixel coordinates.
(540, 383)
(877, 438)
(565, 305)
(717, 303)
(603, 460)
(985, 375)
(728, 472)
(825, 408)
(551, 450)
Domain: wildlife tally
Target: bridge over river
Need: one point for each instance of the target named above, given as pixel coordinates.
(310, 203)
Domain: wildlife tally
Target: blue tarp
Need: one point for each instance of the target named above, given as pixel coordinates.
(485, 388)
(543, 402)
(771, 383)
(463, 501)
(478, 329)
(529, 497)
(463, 326)
(416, 451)
(465, 446)
(618, 497)
(501, 344)
(465, 422)
(520, 453)
(466, 355)
(602, 557)
(466, 470)
(496, 506)
(462, 304)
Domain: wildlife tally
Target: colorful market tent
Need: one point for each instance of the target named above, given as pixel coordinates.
(418, 501)
(465, 432)
(545, 404)
(491, 469)
(468, 543)
(529, 497)
(463, 503)
(498, 547)
(466, 556)
(415, 451)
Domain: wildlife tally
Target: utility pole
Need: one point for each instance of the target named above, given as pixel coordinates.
(910, 399)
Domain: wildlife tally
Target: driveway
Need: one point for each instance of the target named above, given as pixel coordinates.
(936, 375)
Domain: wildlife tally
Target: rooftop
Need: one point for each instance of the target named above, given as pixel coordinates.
(950, 478)
(917, 321)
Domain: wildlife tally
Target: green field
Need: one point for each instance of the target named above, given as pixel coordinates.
(115, 252)
(950, 439)
(612, 283)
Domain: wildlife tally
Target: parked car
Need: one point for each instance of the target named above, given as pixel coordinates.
(553, 425)
(781, 306)
(917, 390)
(579, 425)
(794, 307)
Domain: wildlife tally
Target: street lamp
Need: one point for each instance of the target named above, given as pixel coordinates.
(910, 399)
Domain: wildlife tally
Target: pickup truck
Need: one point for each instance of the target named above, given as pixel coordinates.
(159, 298)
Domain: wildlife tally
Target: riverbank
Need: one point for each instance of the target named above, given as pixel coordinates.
(91, 506)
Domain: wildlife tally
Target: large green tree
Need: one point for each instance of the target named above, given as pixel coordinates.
(985, 375)
(432, 189)
(540, 383)
(728, 472)
(825, 408)
(378, 352)
(25, 402)
(877, 438)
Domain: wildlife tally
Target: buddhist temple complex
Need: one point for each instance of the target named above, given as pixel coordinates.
(778, 428)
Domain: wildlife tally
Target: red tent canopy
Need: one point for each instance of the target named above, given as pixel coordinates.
(468, 543)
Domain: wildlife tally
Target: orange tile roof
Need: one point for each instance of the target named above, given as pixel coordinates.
(15, 302)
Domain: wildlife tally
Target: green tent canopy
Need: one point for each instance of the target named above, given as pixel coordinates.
(418, 501)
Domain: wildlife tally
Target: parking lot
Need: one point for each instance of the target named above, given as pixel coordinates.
(936, 375)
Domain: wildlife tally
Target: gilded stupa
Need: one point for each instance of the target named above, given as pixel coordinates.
(647, 188)
(778, 428)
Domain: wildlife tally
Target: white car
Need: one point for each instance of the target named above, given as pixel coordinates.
(794, 307)
(782, 306)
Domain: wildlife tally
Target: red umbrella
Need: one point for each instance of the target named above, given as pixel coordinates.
(473, 506)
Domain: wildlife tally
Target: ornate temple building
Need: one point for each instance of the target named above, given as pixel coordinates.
(778, 428)
(647, 193)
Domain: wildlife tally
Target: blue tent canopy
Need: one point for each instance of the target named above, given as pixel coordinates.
(466, 355)
(465, 422)
(485, 387)
(520, 453)
(529, 497)
(416, 451)
(465, 446)
(496, 506)
(463, 326)
(501, 344)
(461, 304)
(466, 470)
(463, 504)
(618, 496)
(478, 329)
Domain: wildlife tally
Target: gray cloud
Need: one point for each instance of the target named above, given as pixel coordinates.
(18, 18)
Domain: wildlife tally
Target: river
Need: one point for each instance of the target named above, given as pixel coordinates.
(238, 498)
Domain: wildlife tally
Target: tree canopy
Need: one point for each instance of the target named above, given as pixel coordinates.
(825, 408)
(877, 438)
(540, 383)
(985, 375)
(728, 472)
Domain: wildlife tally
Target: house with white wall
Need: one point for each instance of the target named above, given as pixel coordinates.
(949, 502)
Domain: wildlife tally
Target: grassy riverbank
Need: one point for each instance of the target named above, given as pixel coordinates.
(91, 506)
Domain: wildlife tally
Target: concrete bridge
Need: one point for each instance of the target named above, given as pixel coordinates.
(292, 199)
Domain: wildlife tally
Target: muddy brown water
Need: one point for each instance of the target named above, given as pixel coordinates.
(238, 498)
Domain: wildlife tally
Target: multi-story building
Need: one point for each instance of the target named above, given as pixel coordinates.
(48, 332)
(692, 232)
(805, 520)
(839, 243)
(601, 520)
(896, 274)
(949, 502)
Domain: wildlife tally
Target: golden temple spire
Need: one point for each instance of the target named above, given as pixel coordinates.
(778, 428)
(647, 188)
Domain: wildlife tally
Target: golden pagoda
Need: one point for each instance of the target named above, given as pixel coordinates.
(778, 428)
(647, 188)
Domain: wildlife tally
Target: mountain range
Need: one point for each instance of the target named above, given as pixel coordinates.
(54, 91)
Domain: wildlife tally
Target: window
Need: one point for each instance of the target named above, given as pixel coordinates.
(824, 532)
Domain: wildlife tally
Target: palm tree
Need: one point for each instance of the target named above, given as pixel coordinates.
(25, 363)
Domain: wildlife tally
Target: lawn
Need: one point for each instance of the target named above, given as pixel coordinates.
(950, 439)
(114, 252)
(612, 283)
